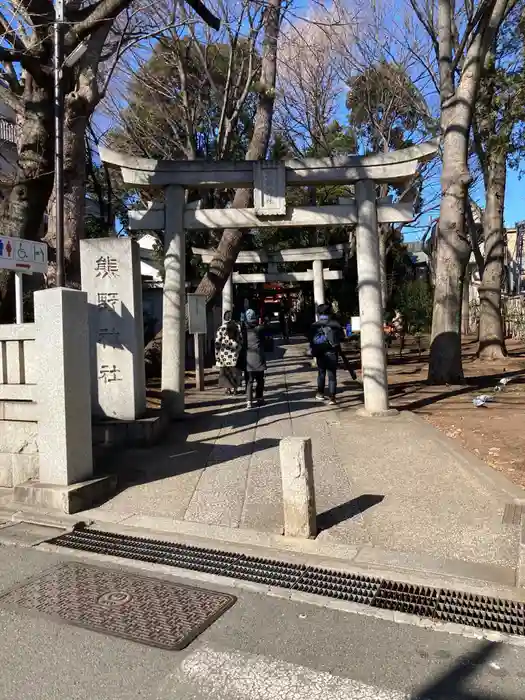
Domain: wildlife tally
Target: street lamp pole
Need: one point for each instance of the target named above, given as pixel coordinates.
(59, 141)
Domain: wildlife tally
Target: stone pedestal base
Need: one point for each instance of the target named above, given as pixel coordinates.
(65, 499)
(387, 413)
(142, 432)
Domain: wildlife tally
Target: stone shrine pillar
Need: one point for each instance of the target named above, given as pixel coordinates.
(174, 305)
(110, 270)
(318, 283)
(227, 296)
(63, 396)
(373, 355)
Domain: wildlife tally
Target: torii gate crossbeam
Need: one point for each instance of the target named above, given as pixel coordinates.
(269, 181)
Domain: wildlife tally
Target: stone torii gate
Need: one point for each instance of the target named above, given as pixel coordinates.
(316, 256)
(269, 181)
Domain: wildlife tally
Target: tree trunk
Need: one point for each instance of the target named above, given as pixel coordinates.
(79, 104)
(383, 231)
(457, 104)
(453, 251)
(491, 335)
(222, 264)
(24, 210)
(465, 304)
(74, 197)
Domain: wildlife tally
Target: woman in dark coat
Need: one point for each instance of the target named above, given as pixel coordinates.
(254, 342)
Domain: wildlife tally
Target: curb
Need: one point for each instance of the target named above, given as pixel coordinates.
(409, 567)
(292, 596)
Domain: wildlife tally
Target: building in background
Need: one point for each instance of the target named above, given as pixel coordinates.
(419, 257)
(514, 259)
(152, 284)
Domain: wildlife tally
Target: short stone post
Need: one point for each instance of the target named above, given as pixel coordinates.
(318, 283)
(227, 296)
(297, 474)
(111, 277)
(174, 305)
(373, 355)
(63, 398)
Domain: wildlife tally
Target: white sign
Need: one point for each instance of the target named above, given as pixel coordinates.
(197, 313)
(22, 255)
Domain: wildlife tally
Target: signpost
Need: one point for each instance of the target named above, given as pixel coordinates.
(24, 257)
(197, 326)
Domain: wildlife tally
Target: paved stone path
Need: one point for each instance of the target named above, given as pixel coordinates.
(391, 487)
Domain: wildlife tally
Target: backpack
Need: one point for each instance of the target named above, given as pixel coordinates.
(322, 340)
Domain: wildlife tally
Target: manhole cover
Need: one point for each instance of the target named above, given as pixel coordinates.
(147, 610)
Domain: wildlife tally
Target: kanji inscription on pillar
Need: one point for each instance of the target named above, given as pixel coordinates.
(106, 266)
(111, 277)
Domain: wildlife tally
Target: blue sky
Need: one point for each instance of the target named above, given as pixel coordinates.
(514, 199)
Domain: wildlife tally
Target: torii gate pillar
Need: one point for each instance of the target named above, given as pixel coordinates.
(227, 296)
(174, 305)
(318, 283)
(373, 353)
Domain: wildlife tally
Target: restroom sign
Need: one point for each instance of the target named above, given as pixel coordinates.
(22, 255)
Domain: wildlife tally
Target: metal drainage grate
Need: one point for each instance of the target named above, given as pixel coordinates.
(144, 609)
(435, 603)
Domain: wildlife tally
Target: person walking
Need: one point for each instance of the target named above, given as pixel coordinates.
(254, 342)
(325, 339)
(228, 347)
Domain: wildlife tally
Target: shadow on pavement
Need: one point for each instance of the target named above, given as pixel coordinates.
(147, 465)
(450, 685)
(347, 510)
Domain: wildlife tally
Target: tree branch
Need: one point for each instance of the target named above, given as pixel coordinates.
(446, 75)
(470, 29)
(205, 14)
(10, 34)
(428, 25)
(28, 62)
(110, 9)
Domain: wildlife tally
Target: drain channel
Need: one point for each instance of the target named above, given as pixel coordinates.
(438, 604)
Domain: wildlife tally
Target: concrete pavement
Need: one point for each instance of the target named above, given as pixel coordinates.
(263, 648)
(392, 493)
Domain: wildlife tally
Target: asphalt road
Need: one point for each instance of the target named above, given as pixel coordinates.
(263, 648)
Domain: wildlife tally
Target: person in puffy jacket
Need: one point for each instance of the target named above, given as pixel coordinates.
(254, 345)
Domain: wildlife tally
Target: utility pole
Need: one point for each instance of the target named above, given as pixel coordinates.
(59, 142)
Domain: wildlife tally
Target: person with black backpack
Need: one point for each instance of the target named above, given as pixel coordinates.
(325, 339)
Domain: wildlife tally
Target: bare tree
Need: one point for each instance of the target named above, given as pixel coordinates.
(461, 39)
(309, 81)
(221, 266)
(26, 51)
(190, 95)
(497, 140)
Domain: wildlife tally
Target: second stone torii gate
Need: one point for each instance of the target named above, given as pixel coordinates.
(269, 181)
(316, 256)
